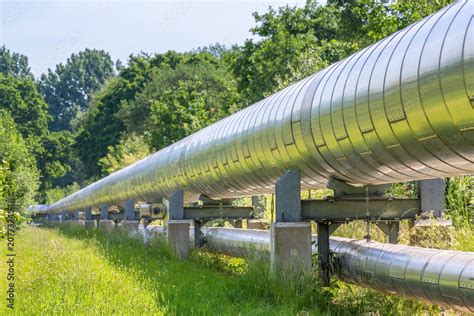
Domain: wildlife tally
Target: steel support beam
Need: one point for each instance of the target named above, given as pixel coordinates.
(226, 212)
(129, 210)
(177, 227)
(198, 237)
(104, 212)
(431, 194)
(391, 230)
(347, 208)
(288, 197)
(324, 253)
(88, 213)
(175, 205)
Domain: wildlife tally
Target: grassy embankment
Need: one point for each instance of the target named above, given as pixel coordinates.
(72, 271)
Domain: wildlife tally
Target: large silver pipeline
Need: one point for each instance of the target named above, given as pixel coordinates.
(398, 110)
(440, 277)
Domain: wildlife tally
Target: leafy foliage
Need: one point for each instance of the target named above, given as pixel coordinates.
(51, 150)
(19, 175)
(460, 200)
(184, 99)
(126, 152)
(20, 97)
(58, 193)
(14, 64)
(69, 88)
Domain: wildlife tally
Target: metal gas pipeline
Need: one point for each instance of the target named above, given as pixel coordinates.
(398, 110)
(440, 277)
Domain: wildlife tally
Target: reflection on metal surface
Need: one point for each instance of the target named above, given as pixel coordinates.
(441, 277)
(398, 110)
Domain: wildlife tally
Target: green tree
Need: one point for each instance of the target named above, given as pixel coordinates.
(364, 22)
(52, 151)
(181, 99)
(14, 64)
(58, 193)
(294, 43)
(186, 99)
(20, 177)
(460, 200)
(101, 127)
(21, 98)
(128, 151)
(69, 88)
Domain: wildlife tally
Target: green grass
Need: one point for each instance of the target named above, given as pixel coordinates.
(70, 271)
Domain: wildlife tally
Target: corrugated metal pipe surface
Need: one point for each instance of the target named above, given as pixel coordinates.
(441, 277)
(399, 110)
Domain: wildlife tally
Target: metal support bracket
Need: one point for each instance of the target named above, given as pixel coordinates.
(431, 193)
(88, 213)
(391, 229)
(341, 189)
(129, 210)
(288, 197)
(104, 212)
(349, 208)
(325, 229)
(198, 236)
(174, 205)
(226, 212)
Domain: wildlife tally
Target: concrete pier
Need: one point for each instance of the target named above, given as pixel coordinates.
(88, 223)
(128, 225)
(178, 237)
(106, 225)
(290, 245)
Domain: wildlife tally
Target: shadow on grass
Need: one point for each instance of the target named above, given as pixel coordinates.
(206, 284)
(214, 284)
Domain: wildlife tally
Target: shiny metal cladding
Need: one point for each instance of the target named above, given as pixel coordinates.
(441, 277)
(399, 110)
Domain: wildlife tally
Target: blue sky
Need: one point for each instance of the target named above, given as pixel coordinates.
(49, 31)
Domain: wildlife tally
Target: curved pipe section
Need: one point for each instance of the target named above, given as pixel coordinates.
(399, 110)
(440, 277)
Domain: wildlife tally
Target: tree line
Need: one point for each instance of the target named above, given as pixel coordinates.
(91, 116)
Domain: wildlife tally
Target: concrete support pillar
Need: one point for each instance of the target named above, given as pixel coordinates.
(76, 215)
(290, 238)
(291, 247)
(391, 229)
(128, 225)
(89, 223)
(178, 228)
(431, 194)
(178, 237)
(106, 225)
